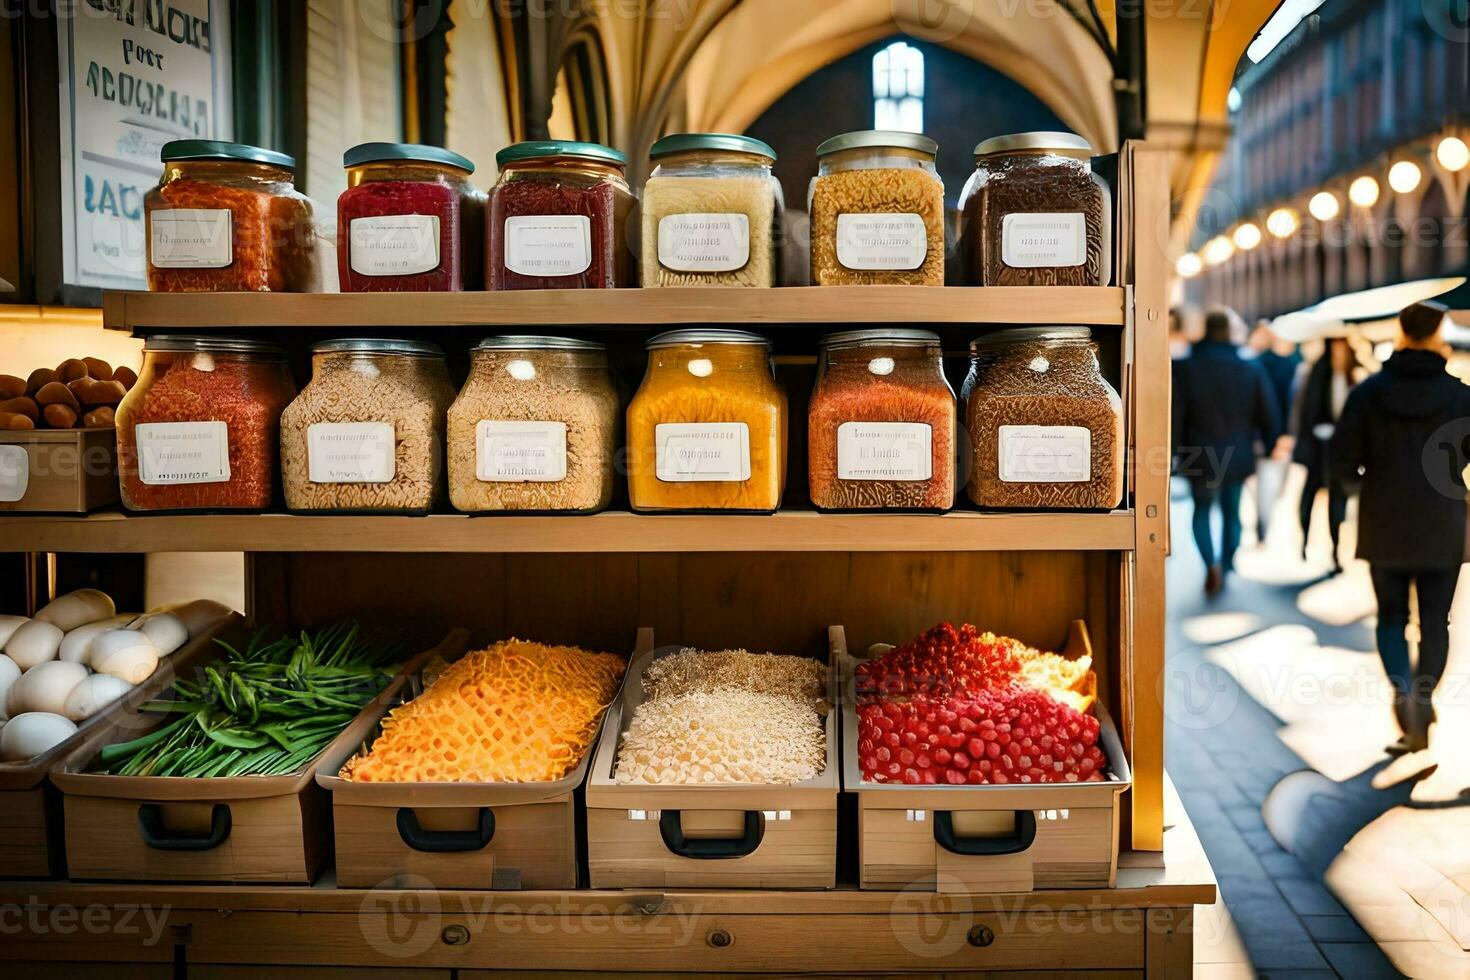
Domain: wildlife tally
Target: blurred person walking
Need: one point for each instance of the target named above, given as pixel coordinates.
(1281, 360)
(1411, 518)
(1320, 397)
(1223, 410)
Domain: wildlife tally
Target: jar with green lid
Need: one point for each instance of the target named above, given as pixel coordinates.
(877, 211)
(366, 434)
(712, 212)
(535, 427)
(558, 218)
(410, 220)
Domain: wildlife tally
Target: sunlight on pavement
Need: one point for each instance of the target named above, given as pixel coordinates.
(1221, 627)
(1342, 599)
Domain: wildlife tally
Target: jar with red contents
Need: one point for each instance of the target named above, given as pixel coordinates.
(199, 431)
(409, 221)
(559, 218)
(227, 217)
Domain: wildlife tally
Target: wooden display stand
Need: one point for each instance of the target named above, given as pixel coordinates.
(766, 583)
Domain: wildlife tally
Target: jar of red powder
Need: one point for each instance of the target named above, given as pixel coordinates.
(409, 221)
(199, 429)
(559, 217)
(881, 425)
(227, 217)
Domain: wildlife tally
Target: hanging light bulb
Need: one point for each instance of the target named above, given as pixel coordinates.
(1363, 192)
(1282, 223)
(1218, 250)
(1247, 236)
(1452, 154)
(1324, 206)
(1189, 265)
(1404, 176)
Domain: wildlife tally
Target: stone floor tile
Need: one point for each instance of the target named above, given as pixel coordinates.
(1360, 961)
(1335, 929)
(1308, 897)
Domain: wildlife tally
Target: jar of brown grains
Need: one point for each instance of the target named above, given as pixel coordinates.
(1045, 426)
(534, 428)
(877, 211)
(366, 434)
(1034, 214)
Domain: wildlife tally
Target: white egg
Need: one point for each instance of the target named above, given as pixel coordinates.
(9, 674)
(44, 688)
(197, 615)
(92, 695)
(166, 630)
(128, 654)
(74, 645)
(28, 735)
(34, 643)
(8, 625)
(77, 609)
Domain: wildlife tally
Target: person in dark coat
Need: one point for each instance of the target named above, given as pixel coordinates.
(1320, 398)
(1223, 411)
(1280, 359)
(1401, 442)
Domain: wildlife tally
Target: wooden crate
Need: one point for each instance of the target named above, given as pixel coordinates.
(454, 835)
(716, 836)
(30, 809)
(985, 839)
(57, 471)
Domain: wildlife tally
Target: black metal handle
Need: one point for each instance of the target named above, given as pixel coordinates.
(714, 848)
(445, 841)
(1023, 837)
(159, 837)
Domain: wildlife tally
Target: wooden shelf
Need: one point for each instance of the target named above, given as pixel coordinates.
(109, 532)
(535, 309)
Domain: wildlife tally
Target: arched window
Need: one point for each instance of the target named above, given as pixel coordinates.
(898, 88)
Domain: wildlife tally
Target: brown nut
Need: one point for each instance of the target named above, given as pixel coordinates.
(14, 420)
(71, 369)
(126, 376)
(60, 416)
(99, 418)
(39, 378)
(21, 406)
(98, 369)
(90, 392)
(57, 393)
(11, 386)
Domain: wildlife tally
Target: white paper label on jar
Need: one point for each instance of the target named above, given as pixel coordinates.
(15, 473)
(898, 451)
(192, 238)
(350, 452)
(893, 242)
(704, 242)
(520, 452)
(1040, 240)
(702, 452)
(1045, 453)
(182, 452)
(394, 245)
(548, 244)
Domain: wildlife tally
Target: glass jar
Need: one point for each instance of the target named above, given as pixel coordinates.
(877, 211)
(409, 221)
(366, 434)
(534, 428)
(227, 217)
(559, 218)
(198, 429)
(707, 428)
(1046, 428)
(712, 212)
(881, 425)
(1034, 214)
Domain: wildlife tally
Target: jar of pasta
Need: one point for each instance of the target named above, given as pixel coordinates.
(707, 428)
(1034, 214)
(712, 212)
(534, 428)
(366, 434)
(877, 211)
(1045, 426)
(558, 218)
(198, 429)
(409, 221)
(881, 425)
(227, 217)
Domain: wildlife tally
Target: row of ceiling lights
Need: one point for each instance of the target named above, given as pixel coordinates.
(1403, 177)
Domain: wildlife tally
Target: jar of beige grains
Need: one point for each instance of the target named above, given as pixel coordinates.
(366, 434)
(535, 427)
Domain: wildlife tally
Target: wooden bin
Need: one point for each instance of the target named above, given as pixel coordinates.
(57, 471)
(30, 809)
(453, 835)
(262, 829)
(716, 836)
(1054, 835)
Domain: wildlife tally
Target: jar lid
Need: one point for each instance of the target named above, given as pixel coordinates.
(897, 337)
(377, 152)
(220, 150)
(376, 345)
(1061, 142)
(1022, 335)
(684, 142)
(673, 338)
(536, 149)
(211, 344)
(878, 138)
(530, 342)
